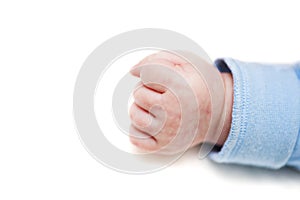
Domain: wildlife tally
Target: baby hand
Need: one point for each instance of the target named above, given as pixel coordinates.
(157, 113)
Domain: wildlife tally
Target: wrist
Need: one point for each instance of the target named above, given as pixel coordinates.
(228, 85)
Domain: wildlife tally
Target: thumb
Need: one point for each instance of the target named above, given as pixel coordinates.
(136, 69)
(160, 77)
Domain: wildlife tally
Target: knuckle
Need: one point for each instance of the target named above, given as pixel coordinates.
(131, 112)
(134, 141)
(142, 144)
(137, 93)
(140, 122)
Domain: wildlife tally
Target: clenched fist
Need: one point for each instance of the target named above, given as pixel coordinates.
(172, 107)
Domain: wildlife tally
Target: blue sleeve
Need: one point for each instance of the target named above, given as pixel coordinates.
(265, 115)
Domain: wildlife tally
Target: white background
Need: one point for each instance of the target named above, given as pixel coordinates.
(42, 47)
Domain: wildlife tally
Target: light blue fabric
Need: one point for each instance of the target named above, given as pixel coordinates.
(265, 128)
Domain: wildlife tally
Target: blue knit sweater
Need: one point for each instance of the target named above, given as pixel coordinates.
(265, 128)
